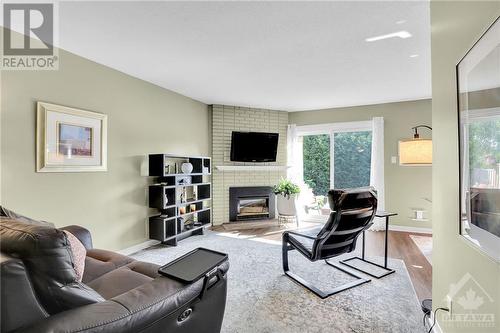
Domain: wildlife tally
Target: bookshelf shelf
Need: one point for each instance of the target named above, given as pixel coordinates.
(182, 199)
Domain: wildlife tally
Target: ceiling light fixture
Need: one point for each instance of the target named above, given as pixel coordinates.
(400, 21)
(401, 34)
(414, 56)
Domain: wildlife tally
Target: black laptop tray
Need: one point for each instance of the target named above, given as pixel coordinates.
(194, 265)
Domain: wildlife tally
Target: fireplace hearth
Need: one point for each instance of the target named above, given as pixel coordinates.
(251, 203)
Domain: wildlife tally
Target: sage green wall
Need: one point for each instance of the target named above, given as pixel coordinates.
(405, 187)
(455, 26)
(142, 118)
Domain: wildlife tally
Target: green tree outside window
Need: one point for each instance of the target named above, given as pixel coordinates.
(352, 160)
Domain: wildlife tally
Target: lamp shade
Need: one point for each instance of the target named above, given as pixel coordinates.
(415, 152)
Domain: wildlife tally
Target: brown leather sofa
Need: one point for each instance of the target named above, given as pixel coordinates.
(40, 292)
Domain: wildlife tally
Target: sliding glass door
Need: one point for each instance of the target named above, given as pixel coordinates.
(316, 158)
(335, 157)
(351, 159)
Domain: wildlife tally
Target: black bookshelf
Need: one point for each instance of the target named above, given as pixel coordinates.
(183, 200)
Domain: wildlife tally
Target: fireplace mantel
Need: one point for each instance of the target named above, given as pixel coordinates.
(252, 167)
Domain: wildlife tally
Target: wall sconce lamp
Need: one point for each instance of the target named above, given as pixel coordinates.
(416, 151)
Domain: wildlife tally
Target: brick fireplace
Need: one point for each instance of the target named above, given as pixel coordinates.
(225, 120)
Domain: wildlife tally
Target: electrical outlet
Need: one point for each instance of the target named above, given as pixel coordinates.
(449, 304)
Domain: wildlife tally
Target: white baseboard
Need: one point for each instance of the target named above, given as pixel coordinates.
(138, 247)
(410, 229)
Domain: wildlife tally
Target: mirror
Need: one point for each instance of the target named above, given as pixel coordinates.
(478, 76)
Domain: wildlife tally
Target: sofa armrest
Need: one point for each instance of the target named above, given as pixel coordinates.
(155, 305)
(81, 233)
(17, 293)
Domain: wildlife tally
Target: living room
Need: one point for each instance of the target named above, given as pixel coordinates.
(250, 166)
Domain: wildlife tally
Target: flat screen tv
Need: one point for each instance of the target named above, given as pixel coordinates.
(254, 146)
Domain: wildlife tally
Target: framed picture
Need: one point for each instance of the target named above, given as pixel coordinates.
(478, 76)
(70, 140)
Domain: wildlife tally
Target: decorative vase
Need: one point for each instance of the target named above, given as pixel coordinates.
(186, 168)
(286, 206)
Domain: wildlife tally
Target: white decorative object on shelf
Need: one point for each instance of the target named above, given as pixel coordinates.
(184, 180)
(186, 168)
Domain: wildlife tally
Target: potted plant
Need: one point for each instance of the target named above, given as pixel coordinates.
(286, 194)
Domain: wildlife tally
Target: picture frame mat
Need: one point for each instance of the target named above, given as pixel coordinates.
(43, 163)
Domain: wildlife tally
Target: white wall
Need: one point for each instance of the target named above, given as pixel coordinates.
(455, 26)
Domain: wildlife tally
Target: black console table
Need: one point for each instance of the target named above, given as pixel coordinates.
(387, 270)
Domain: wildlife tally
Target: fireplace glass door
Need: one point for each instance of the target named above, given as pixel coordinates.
(252, 208)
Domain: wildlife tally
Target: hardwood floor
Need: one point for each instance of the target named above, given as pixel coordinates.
(401, 246)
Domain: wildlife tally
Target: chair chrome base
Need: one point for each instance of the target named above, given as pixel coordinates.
(321, 293)
(377, 276)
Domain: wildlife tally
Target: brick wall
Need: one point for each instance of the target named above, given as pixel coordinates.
(225, 120)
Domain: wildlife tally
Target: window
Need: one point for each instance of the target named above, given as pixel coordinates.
(334, 156)
(352, 159)
(316, 159)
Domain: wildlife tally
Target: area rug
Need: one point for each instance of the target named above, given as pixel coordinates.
(261, 299)
(424, 244)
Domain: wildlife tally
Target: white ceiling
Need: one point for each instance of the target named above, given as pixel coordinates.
(278, 55)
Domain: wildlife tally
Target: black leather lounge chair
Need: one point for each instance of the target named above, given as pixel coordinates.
(353, 211)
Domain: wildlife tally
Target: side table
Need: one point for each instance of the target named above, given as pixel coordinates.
(388, 270)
